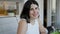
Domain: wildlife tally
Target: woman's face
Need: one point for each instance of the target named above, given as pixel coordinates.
(34, 11)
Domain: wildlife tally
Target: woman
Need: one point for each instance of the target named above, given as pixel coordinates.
(30, 23)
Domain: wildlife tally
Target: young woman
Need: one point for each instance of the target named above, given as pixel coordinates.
(30, 23)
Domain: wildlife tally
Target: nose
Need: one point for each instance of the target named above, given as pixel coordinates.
(35, 11)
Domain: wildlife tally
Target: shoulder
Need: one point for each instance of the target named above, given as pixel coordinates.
(22, 26)
(22, 22)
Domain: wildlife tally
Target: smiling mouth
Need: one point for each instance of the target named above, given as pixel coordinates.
(35, 15)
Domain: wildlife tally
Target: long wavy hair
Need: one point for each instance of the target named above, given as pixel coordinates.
(26, 9)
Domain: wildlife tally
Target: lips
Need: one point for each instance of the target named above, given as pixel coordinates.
(35, 15)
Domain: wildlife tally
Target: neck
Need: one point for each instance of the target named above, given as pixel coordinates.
(32, 20)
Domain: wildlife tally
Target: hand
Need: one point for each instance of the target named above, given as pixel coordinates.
(44, 31)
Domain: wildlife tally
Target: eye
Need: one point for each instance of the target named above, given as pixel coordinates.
(36, 8)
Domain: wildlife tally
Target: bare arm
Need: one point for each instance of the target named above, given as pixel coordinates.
(22, 27)
(41, 27)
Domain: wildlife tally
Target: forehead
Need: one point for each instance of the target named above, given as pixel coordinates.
(33, 5)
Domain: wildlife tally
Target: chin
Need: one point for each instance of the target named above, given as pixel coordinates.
(35, 17)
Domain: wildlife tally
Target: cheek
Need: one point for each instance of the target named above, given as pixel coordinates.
(37, 13)
(31, 13)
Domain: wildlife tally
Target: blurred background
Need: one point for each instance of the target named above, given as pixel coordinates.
(10, 11)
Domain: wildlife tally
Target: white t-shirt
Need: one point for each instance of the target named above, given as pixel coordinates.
(33, 29)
